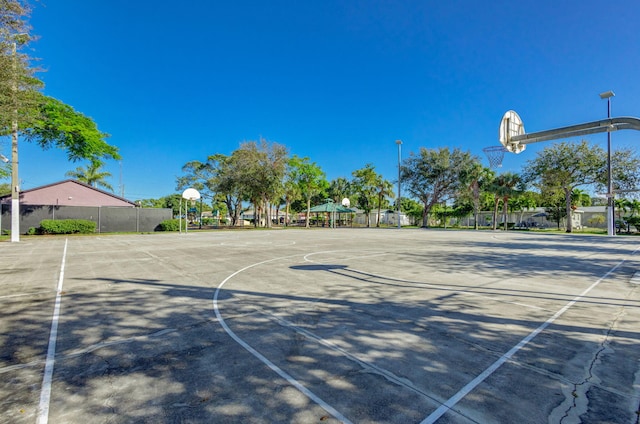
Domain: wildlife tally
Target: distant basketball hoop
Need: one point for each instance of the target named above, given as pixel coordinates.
(190, 194)
(495, 154)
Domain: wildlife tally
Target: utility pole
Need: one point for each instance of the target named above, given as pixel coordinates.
(15, 189)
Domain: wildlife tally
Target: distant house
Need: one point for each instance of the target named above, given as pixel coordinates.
(69, 193)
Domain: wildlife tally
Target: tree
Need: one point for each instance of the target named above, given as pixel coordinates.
(219, 177)
(41, 119)
(566, 166)
(365, 186)
(480, 178)
(554, 204)
(512, 187)
(504, 187)
(634, 206)
(172, 202)
(411, 208)
(198, 175)
(435, 175)
(384, 189)
(339, 189)
(310, 179)
(91, 175)
(525, 201)
(5, 171)
(625, 170)
(580, 198)
(19, 95)
(263, 166)
(291, 191)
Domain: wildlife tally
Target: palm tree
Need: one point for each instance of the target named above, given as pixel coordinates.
(504, 187)
(634, 207)
(339, 188)
(481, 178)
(91, 175)
(384, 188)
(580, 198)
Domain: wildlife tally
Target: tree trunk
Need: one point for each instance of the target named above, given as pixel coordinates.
(286, 213)
(495, 214)
(425, 214)
(476, 203)
(567, 197)
(505, 213)
(306, 224)
(267, 213)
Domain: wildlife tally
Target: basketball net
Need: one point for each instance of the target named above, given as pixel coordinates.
(495, 154)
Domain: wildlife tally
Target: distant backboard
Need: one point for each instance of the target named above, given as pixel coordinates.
(191, 194)
(510, 126)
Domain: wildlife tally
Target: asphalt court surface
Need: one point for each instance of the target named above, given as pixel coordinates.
(320, 326)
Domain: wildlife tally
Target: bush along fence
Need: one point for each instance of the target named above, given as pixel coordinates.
(107, 219)
(64, 226)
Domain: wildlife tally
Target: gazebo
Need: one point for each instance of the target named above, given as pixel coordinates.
(329, 209)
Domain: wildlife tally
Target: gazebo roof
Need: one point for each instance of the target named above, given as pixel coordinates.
(330, 207)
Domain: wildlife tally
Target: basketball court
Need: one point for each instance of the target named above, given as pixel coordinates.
(321, 326)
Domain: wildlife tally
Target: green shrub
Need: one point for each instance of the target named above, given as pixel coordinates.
(67, 226)
(635, 221)
(172, 225)
(32, 231)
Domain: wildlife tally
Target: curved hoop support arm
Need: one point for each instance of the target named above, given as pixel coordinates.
(604, 125)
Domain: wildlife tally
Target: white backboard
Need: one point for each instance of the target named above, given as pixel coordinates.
(191, 194)
(510, 126)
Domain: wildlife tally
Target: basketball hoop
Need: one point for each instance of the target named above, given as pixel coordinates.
(495, 154)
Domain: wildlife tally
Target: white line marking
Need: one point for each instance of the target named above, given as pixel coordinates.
(337, 415)
(45, 392)
(449, 404)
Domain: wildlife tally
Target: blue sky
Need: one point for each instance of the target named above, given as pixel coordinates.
(338, 81)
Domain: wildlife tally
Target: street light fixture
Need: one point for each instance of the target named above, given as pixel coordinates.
(399, 143)
(610, 201)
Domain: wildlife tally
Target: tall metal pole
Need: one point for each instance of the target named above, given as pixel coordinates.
(610, 199)
(399, 143)
(15, 189)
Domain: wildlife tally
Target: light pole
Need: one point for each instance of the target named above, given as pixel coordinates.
(15, 189)
(399, 143)
(610, 201)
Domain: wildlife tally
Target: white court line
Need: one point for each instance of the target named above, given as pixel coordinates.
(45, 391)
(449, 404)
(331, 410)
